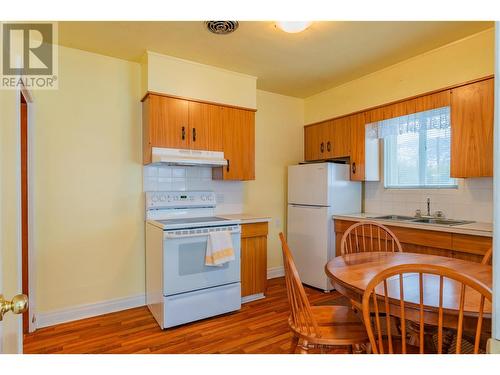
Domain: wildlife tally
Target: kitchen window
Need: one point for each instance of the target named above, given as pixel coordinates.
(417, 150)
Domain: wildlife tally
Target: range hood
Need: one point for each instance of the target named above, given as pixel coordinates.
(174, 156)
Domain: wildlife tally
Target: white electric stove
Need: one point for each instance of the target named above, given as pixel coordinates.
(179, 287)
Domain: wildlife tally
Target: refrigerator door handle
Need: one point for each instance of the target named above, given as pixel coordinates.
(307, 206)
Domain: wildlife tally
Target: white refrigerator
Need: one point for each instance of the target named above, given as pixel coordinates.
(316, 192)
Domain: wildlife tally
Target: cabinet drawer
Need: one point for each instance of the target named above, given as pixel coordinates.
(471, 244)
(441, 240)
(254, 230)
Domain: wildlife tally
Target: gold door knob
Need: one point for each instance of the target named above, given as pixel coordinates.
(18, 305)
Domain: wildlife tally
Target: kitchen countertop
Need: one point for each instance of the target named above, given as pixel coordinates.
(475, 229)
(247, 218)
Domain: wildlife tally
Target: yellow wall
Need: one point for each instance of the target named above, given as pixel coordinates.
(278, 143)
(189, 79)
(89, 208)
(457, 62)
(10, 214)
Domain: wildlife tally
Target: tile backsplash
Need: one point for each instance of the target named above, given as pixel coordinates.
(229, 194)
(472, 200)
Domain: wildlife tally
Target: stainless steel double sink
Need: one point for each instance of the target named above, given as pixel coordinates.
(423, 220)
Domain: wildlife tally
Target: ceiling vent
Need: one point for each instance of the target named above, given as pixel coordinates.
(221, 27)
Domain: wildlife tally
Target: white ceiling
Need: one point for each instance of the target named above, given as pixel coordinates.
(325, 55)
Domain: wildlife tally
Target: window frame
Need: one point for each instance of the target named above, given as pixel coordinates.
(422, 149)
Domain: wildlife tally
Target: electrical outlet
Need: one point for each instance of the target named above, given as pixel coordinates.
(277, 223)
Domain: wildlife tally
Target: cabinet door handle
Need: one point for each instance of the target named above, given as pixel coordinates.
(183, 136)
(328, 146)
(353, 168)
(322, 147)
(194, 134)
(227, 166)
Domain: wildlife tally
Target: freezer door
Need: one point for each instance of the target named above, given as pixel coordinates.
(311, 238)
(308, 184)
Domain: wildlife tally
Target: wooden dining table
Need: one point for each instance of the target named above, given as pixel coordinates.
(351, 273)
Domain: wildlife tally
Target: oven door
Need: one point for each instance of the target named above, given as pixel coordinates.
(184, 267)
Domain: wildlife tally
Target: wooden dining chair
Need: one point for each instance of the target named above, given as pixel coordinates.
(369, 236)
(487, 256)
(318, 326)
(423, 281)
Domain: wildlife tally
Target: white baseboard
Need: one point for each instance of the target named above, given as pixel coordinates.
(275, 272)
(89, 310)
(253, 297)
(493, 346)
(105, 307)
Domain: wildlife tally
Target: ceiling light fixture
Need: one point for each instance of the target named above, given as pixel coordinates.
(293, 26)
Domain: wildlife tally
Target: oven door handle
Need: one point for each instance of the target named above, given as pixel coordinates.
(192, 235)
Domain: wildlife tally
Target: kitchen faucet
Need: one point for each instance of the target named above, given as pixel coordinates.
(437, 214)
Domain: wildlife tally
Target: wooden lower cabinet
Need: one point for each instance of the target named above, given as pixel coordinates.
(253, 258)
(453, 245)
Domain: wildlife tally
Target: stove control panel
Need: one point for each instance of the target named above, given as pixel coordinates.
(179, 199)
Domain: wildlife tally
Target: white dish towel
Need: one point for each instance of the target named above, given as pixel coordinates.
(219, 249)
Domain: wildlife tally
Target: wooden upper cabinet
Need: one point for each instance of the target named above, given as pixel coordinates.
(338, 143)
(471, 106)
(426, 102)
(433, 101)
(205, 126)
(310, 136)
(238, 136)
(327, 140)
(406, 107)
(186, 124)
(357, 135)
(314, 144)
(165, 124)
(169, 124)
(376, 114)
(472, 130)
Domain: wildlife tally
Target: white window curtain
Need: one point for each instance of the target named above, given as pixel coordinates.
(416, 149)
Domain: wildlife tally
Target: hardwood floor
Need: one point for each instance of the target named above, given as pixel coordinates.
(259, 327)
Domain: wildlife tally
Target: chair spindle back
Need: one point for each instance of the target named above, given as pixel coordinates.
(390, 284)
(301, 316)
(369, 236)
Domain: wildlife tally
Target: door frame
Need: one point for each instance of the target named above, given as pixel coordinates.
(31, 217)
(496, 196)
(16, 103)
